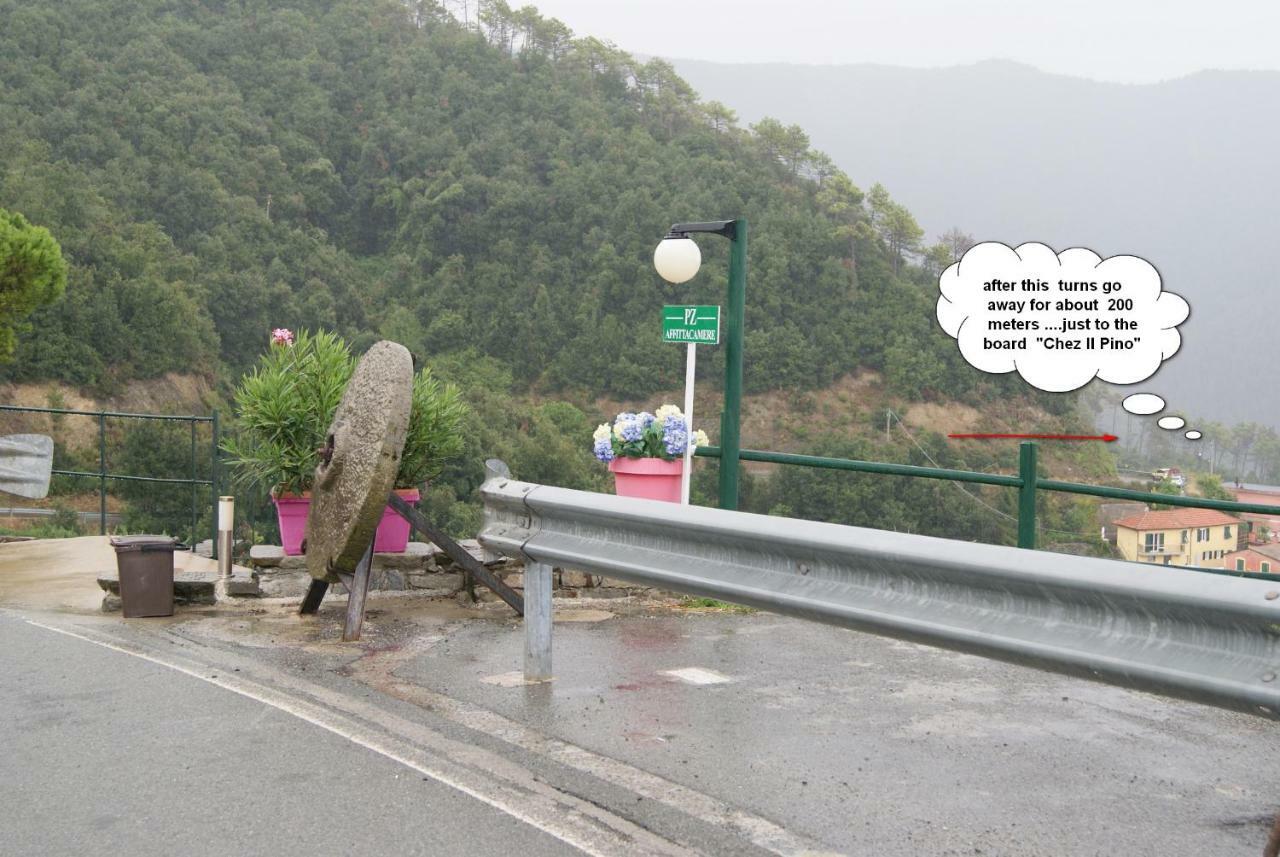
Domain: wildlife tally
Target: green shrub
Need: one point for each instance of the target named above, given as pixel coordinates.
(283, 411)
(435, 430)
(285, 406)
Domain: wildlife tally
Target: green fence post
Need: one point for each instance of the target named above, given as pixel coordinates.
(102, 473)
(1027, 495)
(213, 478)
(195, 488)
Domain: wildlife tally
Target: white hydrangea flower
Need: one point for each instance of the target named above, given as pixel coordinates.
(700, 439)
(667, 411)
(602, 432)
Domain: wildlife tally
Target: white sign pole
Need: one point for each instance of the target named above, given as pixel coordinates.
(690, 362)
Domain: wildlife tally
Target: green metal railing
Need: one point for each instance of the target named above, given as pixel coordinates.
(1028, 483)
(103, 476)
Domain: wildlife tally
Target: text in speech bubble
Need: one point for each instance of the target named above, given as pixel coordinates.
(1059, 319)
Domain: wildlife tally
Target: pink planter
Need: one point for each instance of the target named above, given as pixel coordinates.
(291, 511)
(647, 478)
(393, 531)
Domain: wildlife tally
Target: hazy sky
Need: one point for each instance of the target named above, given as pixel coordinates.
(1131, 41)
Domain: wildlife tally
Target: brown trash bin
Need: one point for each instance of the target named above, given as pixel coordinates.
(145, 566)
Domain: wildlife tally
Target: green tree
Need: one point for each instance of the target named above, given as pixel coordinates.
(32, 274)
(1210, 486)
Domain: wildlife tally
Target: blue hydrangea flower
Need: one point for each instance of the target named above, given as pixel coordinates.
(675, 435)
(631, 429)
(646, 419)
(604, 449)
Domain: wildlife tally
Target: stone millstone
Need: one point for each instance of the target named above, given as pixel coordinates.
(367, 438)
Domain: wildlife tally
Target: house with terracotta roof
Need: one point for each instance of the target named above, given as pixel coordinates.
(1200, 537)
(1264, 558)
(1264, 495)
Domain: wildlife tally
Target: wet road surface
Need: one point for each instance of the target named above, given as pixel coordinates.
(664, 732)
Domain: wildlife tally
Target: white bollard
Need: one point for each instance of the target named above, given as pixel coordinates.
(226, 527)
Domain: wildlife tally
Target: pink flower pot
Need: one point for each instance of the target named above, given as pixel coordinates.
(647, 478)
(393, 531)
(291, 511)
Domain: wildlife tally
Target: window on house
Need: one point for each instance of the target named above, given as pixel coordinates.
(1239, 564)
(1202, 534)
(1153, 542)
(1266, 567)
(1186, 536)
(1226, 532)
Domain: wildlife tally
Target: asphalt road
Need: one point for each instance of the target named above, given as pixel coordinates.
(663, 733)
(106, 753)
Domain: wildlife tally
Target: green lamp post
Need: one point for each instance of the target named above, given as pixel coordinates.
(677, 259)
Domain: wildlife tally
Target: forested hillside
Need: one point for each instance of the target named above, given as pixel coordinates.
(214, 170)
(490, 196)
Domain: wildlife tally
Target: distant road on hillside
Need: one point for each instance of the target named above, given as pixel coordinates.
(16, 512)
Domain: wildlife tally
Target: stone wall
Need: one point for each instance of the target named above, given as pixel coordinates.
(421, 567)
(426, 568)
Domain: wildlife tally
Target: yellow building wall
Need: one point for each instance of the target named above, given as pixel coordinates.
(1132, 546)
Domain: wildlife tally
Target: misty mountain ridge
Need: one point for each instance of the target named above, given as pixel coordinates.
(1180, 172)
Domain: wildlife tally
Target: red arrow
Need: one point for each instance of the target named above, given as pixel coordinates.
(1103, 437)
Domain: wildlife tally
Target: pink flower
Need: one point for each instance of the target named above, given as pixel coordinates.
(282, 336)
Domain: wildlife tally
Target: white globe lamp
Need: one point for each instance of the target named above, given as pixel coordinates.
(677, 258)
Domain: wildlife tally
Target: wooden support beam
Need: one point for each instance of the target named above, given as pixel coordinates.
(456, 552)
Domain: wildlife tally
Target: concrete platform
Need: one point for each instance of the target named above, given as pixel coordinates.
(62, 574)
(189, 587)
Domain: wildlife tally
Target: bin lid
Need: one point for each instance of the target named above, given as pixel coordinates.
(143, 543)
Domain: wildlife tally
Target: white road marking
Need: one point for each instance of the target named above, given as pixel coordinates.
(558, 814)
(696, 675)
(378, 671)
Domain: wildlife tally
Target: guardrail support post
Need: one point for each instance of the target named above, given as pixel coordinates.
(537, 621)
(1027, 495)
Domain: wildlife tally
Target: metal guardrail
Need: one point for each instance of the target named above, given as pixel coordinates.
(1028, 483)
(1210, 639)
(103, 475)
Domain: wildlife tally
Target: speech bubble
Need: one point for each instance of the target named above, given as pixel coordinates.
(1193, 435)
(1059, 319)
(1171, 423)
(1143, 404)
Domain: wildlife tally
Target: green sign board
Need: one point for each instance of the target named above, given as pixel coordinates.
(697, 324)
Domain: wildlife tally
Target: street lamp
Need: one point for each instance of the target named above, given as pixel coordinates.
(677, 259)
